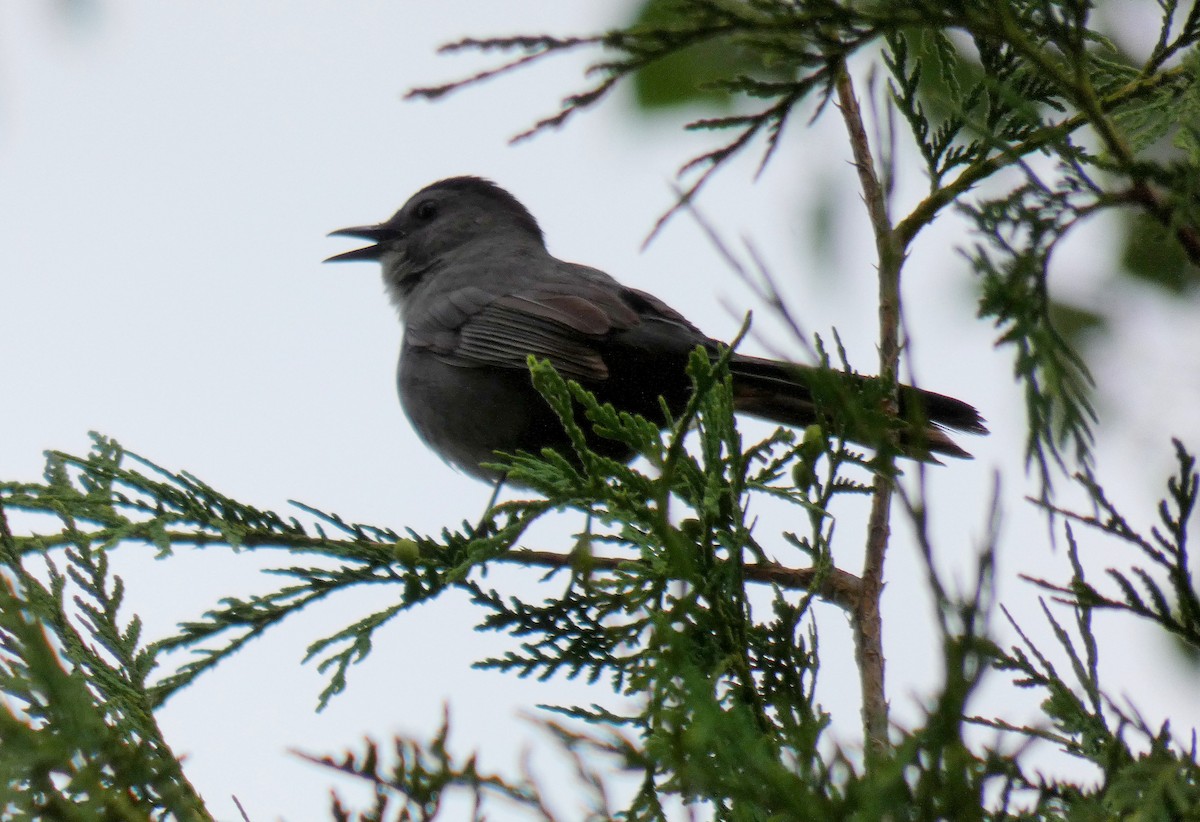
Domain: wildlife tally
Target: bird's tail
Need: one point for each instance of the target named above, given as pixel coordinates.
(846, 404)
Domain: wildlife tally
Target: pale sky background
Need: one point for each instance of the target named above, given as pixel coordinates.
(168, 173)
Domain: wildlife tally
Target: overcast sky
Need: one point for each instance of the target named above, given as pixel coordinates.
(168, 173)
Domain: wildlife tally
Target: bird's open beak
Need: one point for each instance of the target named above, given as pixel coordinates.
(374, 233)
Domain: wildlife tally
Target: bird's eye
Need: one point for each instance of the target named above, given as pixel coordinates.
(426, 210)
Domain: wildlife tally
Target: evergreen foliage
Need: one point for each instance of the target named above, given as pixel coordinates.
(662, 599)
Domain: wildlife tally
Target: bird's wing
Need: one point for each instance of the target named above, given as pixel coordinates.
(575, 321)
(565, 324)
(560, 328)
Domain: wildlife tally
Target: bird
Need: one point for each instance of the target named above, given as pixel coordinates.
(466, 266)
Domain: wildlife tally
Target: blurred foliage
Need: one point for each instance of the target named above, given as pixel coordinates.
(78, 737)
(1151, 254)
(1076, 323)
(693, 74)
(701, 74)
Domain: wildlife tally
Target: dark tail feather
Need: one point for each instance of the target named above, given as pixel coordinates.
(798, 395)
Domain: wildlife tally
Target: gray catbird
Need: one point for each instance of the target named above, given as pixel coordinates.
(467, 267)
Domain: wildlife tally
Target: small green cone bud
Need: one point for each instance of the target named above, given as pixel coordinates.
(803, 475)
(813, 442)
(581, 557)
(811, 447)
(691, 528)
(406, 551)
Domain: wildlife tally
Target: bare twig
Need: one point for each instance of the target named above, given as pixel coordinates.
(761, 283)
(832, 585)
(868, 624)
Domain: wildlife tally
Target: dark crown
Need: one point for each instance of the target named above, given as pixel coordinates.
(490, 191)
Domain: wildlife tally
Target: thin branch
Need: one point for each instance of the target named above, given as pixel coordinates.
(831, 585)
(836, 586)
(868, 621)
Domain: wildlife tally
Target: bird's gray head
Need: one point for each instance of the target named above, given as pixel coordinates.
(437, 221)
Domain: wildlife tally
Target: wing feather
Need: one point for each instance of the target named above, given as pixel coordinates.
(572, 323)
(565, 330)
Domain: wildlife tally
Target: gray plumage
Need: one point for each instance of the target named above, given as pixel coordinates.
(467, 267)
